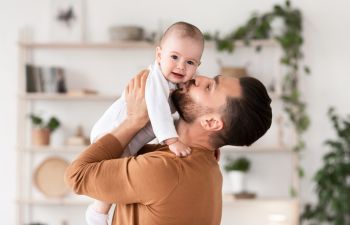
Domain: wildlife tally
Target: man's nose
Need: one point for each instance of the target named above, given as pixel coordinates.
(199, 80)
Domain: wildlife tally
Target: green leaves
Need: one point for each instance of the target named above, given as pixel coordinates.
(332, 179)
(223, 44)
(240, 164)
(52, 124)
(36, 120)
(259, 26)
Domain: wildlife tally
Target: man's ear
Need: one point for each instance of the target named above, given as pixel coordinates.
(158, 54)
(211, 122)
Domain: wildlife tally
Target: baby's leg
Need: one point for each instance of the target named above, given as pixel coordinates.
(144, 136)
(97, 213)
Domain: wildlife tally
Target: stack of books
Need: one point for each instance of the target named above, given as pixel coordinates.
(45, 79)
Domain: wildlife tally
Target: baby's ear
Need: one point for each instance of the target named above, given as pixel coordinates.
(158, 54)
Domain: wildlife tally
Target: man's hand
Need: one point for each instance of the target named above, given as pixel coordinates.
(135, 100)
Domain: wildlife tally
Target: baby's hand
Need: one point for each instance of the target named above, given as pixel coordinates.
(180, 149)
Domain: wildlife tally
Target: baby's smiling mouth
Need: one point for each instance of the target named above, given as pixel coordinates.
(178, 74)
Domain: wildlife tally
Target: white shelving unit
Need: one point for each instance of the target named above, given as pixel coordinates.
(26, 201)
(65, 97)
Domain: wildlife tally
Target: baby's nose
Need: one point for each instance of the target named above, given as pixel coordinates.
(181, 65)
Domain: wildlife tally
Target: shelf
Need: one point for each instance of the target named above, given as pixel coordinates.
(77, 149)
(272, 149)
(226, 200)
(66, 202)
(49, 97)
(51, 149)
(53, 202)
(255, 43)
(87, 45)
(128, 44)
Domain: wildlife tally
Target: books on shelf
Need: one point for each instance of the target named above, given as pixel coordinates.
(45, 79)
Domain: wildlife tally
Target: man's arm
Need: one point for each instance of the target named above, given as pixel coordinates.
(99, 174)
(142, 179)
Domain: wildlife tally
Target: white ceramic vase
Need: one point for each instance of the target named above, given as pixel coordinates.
(237, 179)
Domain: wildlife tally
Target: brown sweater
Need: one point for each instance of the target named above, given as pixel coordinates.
(155, 188)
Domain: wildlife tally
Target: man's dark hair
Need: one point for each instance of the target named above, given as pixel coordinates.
(184, 30)
(246, 118)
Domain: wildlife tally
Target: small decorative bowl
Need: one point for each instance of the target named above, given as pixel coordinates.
(126, 33)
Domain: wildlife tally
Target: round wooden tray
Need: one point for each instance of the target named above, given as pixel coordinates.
(49, 177)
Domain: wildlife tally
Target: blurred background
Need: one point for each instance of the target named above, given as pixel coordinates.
(63, 62)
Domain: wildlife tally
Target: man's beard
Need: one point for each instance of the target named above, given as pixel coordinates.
(188, 110)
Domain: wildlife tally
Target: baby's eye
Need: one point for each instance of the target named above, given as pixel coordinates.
(190, 62)
(174, 56)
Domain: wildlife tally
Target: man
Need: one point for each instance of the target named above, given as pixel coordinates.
(157, 187)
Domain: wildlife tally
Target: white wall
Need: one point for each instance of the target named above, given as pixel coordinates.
(327, 52)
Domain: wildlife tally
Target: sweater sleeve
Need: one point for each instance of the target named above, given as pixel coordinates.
(157, 100)
(98, 173)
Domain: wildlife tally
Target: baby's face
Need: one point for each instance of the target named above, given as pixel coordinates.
(179, 58)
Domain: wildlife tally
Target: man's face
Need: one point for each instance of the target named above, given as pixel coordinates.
(204, 95)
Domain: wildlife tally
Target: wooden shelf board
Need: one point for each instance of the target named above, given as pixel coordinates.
(272, 149)
(129, 44)
(227, 200)
(46, 96)
(53, 202)
(87, 45)
(53, 149)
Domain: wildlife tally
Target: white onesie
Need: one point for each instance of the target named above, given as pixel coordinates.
(159, 109)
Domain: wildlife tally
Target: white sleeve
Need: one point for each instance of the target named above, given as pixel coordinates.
(157, 100)
(95, 218)
(111, 118)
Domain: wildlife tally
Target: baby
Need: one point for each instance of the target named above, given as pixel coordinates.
(177, 59)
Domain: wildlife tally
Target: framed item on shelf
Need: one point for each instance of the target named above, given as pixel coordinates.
(67, 20)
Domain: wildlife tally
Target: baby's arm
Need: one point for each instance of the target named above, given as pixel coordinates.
(97, 213)
(157, 95)
(110, 119)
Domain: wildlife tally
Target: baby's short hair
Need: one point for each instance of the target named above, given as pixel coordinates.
(184, 30)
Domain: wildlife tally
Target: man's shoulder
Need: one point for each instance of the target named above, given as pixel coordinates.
(161, 163)
(157, 152)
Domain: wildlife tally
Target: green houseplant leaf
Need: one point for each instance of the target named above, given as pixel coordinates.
(259, 26)
(52, 124)
(240, 164)
(332, 179)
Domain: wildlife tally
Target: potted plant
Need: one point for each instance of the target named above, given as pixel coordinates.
(284, 23)
(42, 130)
(332, 180)
(237, 169)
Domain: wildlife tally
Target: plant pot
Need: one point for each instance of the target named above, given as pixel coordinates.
(40, 136)
(237, 179)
